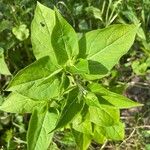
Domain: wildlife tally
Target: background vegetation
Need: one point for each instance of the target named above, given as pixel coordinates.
(130, 77)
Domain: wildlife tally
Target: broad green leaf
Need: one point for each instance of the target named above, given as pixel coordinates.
(115, 99)
(42, 90)
(71, 109)
(98, 88)
(41, 31)
(36, 72)
(21, 32)
(82, 124)
(114, 132)
(120, 101)
(41, 123)
(64, 40)
(98, 136)
(3, 67)
(17, 103)
(107, 46)
(104, 116)
(92, 100)
(82, 140)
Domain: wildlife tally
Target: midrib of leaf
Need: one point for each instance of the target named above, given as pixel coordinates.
(104, 112)
(99, 52)
(94, 40)
(101, 118)
(65, 112)
(116, 131)
(68, 107)
(109, 114)
(45, 77)
(35, 36)
(62, 34)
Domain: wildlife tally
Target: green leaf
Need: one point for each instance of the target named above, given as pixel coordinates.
(65, 83)
(82, 140)
(88, 69)
(17, 103)
(114, 132)
(41, 123)
(82, 124)
(94, 12)
(71, 109)
(120, 101)
(38, 71)
(21, 32)
(115, 99)
(107, 46)
(41, 31)
(3, 67)
(64, 40)
(92, 100)
(104, 116)
(98, 136)
(42, 90)
(79, 67)
(38, 81)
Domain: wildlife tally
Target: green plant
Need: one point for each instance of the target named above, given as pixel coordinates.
(138, 12)
(61, 89)
(106, 13)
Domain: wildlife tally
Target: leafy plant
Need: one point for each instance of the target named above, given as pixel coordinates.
(60, 88)
(107, 13)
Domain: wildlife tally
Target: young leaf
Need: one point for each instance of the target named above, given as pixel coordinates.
(17, 103)
(21, 32)
(71, 109)
(83, 140)
(3, 67)
(41, 123)
(64, 40)
(41, 31)
(115, 99)
(79, 67)
(35, 72)
(89, 70)
(107, 46)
